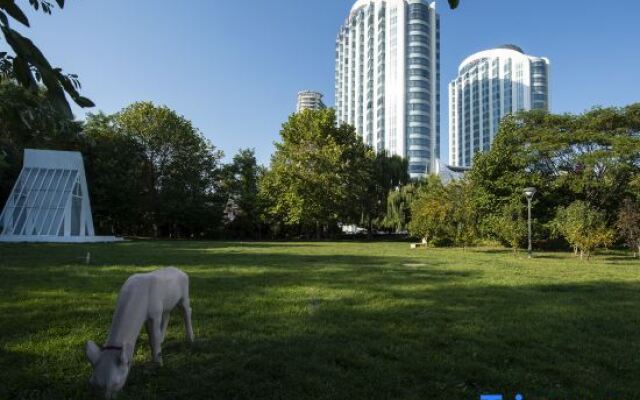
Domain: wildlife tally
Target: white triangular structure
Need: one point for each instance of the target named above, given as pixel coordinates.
(50, 201)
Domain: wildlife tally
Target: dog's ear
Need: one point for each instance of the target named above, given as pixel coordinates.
(92, 352)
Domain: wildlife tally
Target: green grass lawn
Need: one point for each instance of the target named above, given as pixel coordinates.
(330, 321)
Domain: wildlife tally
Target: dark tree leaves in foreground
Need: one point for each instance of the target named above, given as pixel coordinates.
(28, 66)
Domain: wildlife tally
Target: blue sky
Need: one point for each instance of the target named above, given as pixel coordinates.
(234, 67)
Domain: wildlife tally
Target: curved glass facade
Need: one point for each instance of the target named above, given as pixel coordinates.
(309, 100)
(387, 78)
(490, 85)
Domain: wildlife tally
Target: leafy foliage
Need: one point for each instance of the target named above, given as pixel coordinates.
(239, 184)
(584, 227)
(431, 211)
(150, 172)
(399, 202)
(387, 173)
(181, 168)
(628, 225)
(509, 225)
(594, 158)
(445, 213)
(465, 216)
(319, 174)
(582, 165)
(117, 173)
(28, 66)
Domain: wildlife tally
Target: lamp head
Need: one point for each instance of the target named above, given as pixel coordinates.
(530, 192)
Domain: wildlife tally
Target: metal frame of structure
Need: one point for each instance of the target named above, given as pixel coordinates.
(50, 201)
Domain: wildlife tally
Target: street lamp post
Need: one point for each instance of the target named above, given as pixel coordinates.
(529, 193)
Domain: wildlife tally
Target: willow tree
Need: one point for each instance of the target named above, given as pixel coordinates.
(431, 211)
(399, 202)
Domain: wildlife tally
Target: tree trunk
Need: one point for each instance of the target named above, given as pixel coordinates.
(581, 254)
(370, 229)
(575, 251)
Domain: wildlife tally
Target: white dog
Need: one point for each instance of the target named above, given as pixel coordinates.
(144, 298)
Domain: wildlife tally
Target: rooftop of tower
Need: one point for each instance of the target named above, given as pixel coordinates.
(361, 3)
(511, 47)
(504, 50)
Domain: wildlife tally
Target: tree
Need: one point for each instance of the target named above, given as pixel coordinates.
(464, 217)
(594, 157)
(388, 173)
(448, 213)
(399, 201)
(507, 167)
(28, 66)
(628, 225)
(584, 227)
(319, 174)
(239, 184)
(509, 225)
(181, 176)
(116, 167)
(431, 211)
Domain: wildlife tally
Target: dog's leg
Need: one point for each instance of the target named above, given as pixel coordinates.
(165, 324)
(186, 315)
(155, 339)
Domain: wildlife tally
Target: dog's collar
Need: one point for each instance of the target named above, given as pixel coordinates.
(119, 348)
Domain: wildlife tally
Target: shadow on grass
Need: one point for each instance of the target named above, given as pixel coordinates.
(549, 341)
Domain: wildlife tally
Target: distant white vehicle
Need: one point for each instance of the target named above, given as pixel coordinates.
(352, 229)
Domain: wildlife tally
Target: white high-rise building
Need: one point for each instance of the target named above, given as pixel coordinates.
(490, 85)
(309, 100)
(388, 78)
